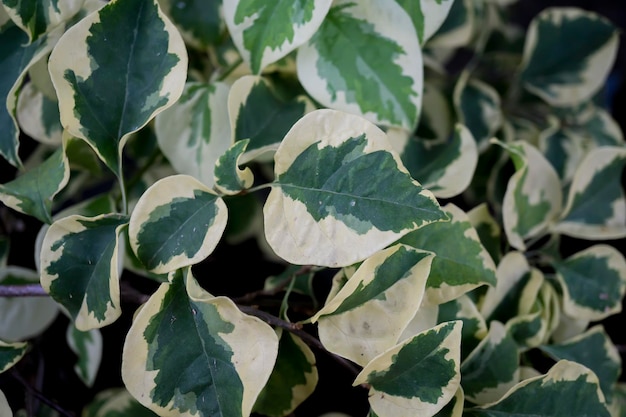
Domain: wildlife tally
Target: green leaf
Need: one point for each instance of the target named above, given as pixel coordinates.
(200, 22)
(533, 197)
(461, 263)
(293, 379)
(88, 349)
(562, 148)
(114, 71)
(177, 222)
(458, 27)
(194, 131)
(32, 192)
(488, 229)
(24, 317)
(568, 389)
(427, 15)
(341, 214)
(444, 167)
(10, 354)
(266, 31)
(593, 282)
(595, 350)
(556, 72)
(16, 56)
(474, 325)
(37, 17)
(492, 368)
(84, 278)
(229, 178)
(596, 205)
(454, 408)
(365, 59)
(115, 402)
(417, 377)
(259, 114)
(478, 107)
(219, 370)
(370, 312)
(38, 115)
(5, 410)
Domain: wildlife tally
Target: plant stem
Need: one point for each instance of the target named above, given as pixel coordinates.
(29, 290)
(230, 69)
(40, 396)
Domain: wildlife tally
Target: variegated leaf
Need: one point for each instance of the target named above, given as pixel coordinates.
(427, 15)
(370, 312)
(258, 113)
(437, 119)
(88, 349)
(600, 128)
(38, 115)
(200, 22)
(595, 350)
(425, 318)
(568, 389)
(474, 325)
(562, 148)
(5, 410)
(492, 368)
(16, 56)
(84, 278)
(444, 167)
(229, 178)
(293, 379)
(461, 262)
(325, 209)
(457, 29)
(596, 205)
(194, 131)
(455, 406)
(593, 282)
(219, 370)
(533, 197)
(115, 402)
(10, 354)
(265, 31)
(365, 59)
(417, 377)
(114, 71)
(478, 107)
(488, 229)
(32, 192)
(24, 317)
(177, 222)
(37, 17)
(558, 72)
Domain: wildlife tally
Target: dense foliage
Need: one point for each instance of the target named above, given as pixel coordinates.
(399, 182)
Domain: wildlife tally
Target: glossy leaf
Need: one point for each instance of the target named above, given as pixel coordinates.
(220, 369)
(177, 222)
(593, 282)
(488, 229)
(115, 402)
(15, 59)
(370, 312)
(24, 317)
(532, 201)
(595, 350)
(340, 215)
(11, 353)
(596, 205)
(293, 379)
(37, 17)
(84, 278)
(474, 326)
(365, 59)
(200, 22)
(114, 71)
(402, 380)
(492, 368)
(427, 15)
(38, 115)
(259, 114)
(88, 349)
(454, 408)
(32, 192)
(194, 131)
(556, 72)
(229, 178)
(568, 389)
(266, 31)
(446, 168)
(461, 262)
(458, 27)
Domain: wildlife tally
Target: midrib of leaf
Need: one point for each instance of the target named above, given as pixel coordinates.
(128, 67)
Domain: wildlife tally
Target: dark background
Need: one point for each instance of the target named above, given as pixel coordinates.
(334, 391)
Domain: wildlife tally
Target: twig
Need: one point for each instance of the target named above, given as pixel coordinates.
(40, 396)
(29, 290)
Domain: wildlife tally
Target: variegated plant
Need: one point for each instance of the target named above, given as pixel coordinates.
(147, 140)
